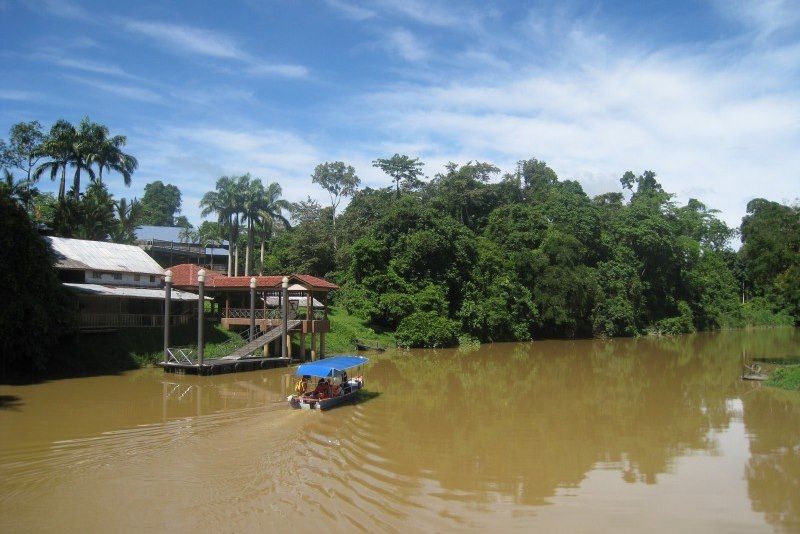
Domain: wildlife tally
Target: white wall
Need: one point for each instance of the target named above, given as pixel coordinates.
(127, 279)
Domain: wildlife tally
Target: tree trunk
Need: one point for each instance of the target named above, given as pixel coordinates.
(335, 240)
(62, 188)
(261, 267)
(230, 245)
(236, 260)
(249, 247)
(76, 183)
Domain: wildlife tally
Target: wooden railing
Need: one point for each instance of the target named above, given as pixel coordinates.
(129, 320)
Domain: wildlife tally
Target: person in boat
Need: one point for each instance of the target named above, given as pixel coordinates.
(323, 390)
(302, 385)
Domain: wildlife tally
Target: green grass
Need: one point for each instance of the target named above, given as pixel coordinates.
(787, 377)
(345, 328)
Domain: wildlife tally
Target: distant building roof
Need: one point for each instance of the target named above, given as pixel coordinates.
(172, 234)
(185, 275)
(83, 254)
(130, 292)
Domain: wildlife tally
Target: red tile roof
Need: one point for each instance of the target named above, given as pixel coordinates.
(185, 275)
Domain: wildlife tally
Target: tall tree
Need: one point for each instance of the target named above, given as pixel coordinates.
(271, 213)
(224, 202)
(160, 203)
(58, 147)
(22, 150)
(339, 180)
(108, 155)
(405, 171)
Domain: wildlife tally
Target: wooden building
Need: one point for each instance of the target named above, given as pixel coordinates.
(308, 303)
(116, 286)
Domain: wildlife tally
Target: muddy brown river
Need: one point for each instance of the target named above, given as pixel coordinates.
(656, 435)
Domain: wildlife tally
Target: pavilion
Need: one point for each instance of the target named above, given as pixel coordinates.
(307, 300)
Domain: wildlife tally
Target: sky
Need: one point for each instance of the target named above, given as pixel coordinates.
(706, 93)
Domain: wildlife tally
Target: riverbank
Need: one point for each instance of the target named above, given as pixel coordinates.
(786, 377)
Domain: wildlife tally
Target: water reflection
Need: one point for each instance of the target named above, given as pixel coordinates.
(448, 438)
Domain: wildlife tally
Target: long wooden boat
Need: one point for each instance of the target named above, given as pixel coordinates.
(334, 387)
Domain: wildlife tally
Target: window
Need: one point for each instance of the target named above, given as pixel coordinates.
(152, 278)
(117, 276)
(97, 274)
(137, 277)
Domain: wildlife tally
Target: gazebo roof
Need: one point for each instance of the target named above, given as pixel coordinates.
(185, 275)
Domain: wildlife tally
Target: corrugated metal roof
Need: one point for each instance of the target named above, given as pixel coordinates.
(132, 292)
(102, 256)
(173, 234)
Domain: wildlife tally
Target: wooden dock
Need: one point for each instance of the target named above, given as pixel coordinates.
(221, 365)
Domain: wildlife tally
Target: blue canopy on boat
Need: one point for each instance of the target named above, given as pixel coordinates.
(329, 366)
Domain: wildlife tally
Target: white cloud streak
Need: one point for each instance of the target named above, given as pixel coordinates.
(212, 44)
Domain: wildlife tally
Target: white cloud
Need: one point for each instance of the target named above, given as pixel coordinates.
(730, 127)
(407, 45)
(61, 8)
(126, 91)
(351, 9)
(209, 43)
(17, 95)
(764, 17)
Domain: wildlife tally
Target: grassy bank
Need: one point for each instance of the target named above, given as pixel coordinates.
(787, 377)
(346, 327)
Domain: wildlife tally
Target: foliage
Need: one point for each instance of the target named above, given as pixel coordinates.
(160, 203)
(29, 324)
(427, 330)
(404, 171)
(785, 378)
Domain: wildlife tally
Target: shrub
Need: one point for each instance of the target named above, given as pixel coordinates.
(427, 330)
(683, 323)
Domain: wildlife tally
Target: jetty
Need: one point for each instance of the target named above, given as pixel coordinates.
(280, 309)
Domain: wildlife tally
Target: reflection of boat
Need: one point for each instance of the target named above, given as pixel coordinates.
(333, 386)
(362, 345)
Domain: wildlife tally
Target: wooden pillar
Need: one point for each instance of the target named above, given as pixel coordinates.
(322, 344)
(288, 345)
(303, 345)
(313, 346)
(309, 305)
(325, 304)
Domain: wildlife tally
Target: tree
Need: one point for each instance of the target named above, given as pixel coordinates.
(271, 213)
(160, 203)
(22, 149)
(58, 148)
(27, 275)
(107, 154)
(339, 180)
(85, 146)
(224, 201)
(404, 171)
(128, 215)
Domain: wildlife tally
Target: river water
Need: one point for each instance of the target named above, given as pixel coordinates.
(569, 436)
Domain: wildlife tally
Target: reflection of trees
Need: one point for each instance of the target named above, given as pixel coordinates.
(772, 419)
(526, 419)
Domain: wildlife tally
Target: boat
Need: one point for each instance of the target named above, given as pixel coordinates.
(334, 387)
(362, 346)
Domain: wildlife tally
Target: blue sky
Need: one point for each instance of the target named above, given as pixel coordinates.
(706, 93)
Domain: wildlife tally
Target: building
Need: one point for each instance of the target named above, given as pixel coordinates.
(307, 295)
(116, 285)
(169, 245)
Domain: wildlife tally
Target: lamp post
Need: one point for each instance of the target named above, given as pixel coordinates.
(167, 299)
(285, 314)
(252, 307)
(201, 279)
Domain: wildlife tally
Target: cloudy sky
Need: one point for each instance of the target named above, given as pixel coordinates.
(705, 93)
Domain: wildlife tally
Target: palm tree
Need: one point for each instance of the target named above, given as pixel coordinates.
(271, 212)
(252, 199)
(224, 202)
(21, 190)
(58, 147)
(128, 220)
(86, 145)
(108, 155)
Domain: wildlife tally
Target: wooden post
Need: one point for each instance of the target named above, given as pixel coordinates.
(325, 304)
(322, 344)
(201, 279)
(288, 345)
(309, 305)
(285, 318)
(252, 307)
(303, 344)
(313, 346)
(167, 299)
